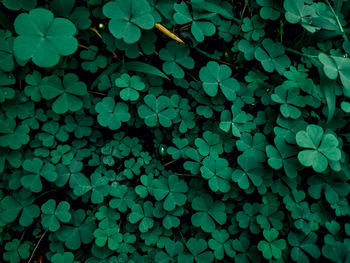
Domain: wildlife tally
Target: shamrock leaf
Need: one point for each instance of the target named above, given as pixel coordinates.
(43, 38)
(12, 135)
(37, 169)
(132, 87)
(290, 100)
(284, 155)
(15, 251)
(247, 217)
(214, 76)
(251, 174)
(142, 215)
(109, 236)
(268, 10)
(298, 12)
(218, 174)
(221, 244)
(303, 245)
(52, 216)
(110, 114)
(211, 144)
(128, 18)
(272, 247)
(253, 28)
(20, 203)
(157, 110)
(20, 4)
(197, 249)
(98, 185)
(79, 231)
(322, 148)
(272, 57)
(180, 150)
(122, 197)
(172, 190)
(93, 61)
(238, 122)
(79, 15)
(199, 28)
(66, 257)
(67, 96)
(334, 66)
(176, 55)
(208, 211)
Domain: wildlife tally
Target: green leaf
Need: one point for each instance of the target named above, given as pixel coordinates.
(52, 216)
(43, 38)
(176, 55)
(172, 191)
(214, 76)
(157, 110)
(272, 57)
(111, 114)
(128, 18)
(322, 148)
(144, 68)
(272, 247)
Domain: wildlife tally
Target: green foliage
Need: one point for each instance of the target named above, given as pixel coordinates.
(43, 38)
(174, 131)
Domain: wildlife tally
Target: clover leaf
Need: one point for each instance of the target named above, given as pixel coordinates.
(208, 211)
(111, 114)
(172, 190)
(197, 249)
(176, 55)
(272, 57)
(251, 174)
(52, 215)
(132, 87)
(214, 76)
(37, 169)
(15, 251)
(290, 100)
(334, 66)
(20, 4)
(321, 148)
(238, 122)
(157, 110)
(98, 185)
(199, 28)
(272, 247)
(12, 135)
(298, 12)
(142, 215)
(66, 257)
(221, 244)
(128, 18)
(21, 203)
(43, 38)
(79, 231)
(253, 28)
(218, 174)
(67, 96)
(303, 245)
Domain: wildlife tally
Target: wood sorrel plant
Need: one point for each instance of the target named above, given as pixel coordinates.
(174, 131)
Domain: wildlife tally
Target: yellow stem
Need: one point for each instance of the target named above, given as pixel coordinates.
(166, 32)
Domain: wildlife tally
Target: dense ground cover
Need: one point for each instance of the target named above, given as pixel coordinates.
(174, 131)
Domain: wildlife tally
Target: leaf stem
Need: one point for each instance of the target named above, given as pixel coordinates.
(183, 239)
(300, 53)
(36, 247)
(338, 21)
